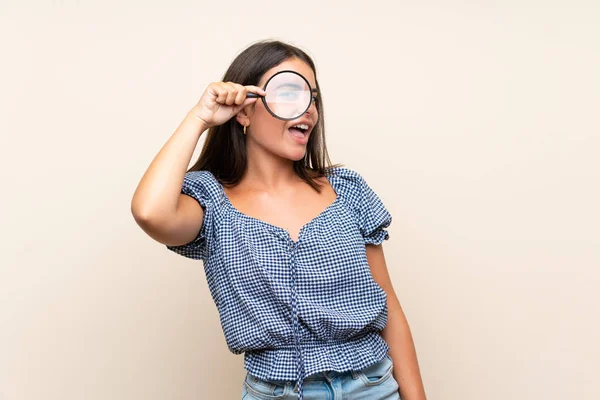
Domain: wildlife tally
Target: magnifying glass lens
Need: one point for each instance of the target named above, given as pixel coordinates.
(288, 95)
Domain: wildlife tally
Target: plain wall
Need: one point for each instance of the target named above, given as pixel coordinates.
(477, 123)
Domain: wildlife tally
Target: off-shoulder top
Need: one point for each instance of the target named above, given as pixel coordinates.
(294, 308)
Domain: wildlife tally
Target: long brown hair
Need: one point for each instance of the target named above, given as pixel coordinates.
(224, 150)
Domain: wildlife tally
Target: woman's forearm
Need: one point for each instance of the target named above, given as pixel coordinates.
(402, 351)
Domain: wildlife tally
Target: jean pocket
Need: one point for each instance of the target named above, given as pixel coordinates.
(377, 373)
(265, 389)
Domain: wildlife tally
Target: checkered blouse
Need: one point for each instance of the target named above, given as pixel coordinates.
(294, 308)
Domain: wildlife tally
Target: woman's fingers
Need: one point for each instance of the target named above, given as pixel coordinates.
(222, 94)
(221, 100)
(232, 91)
(256, 89)
(241, 95)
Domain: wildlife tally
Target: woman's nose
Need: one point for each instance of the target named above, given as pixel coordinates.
(312, 108)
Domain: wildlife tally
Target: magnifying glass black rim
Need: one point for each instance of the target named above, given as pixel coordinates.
(264, 100)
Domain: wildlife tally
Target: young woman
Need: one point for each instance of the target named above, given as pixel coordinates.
(291, 244)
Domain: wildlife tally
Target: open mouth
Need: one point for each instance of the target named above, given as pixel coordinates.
(299, 130)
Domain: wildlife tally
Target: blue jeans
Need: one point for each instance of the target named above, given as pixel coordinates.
(374, 382)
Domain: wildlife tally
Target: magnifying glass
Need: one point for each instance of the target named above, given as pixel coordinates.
(289, 95)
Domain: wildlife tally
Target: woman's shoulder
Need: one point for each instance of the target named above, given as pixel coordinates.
(349, 184)
(200, 176)
(343, 172)
(346, 178)
(372, 215)
(203, 183)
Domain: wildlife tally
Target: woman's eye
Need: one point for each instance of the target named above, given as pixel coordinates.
(286, 94)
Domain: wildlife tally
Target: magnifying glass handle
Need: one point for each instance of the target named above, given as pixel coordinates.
(250, 94)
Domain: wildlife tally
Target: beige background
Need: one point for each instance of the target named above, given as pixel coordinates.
(477, 123)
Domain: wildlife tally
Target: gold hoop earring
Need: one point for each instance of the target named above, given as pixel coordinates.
(244, 129)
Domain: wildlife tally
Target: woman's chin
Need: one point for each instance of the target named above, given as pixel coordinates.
(296, 154)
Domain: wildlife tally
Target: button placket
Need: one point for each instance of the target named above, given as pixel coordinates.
(293, 248)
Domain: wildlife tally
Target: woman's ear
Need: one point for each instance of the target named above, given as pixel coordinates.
(243, 116)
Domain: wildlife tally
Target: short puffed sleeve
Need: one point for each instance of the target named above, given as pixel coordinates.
(372, 216)
(202, 187)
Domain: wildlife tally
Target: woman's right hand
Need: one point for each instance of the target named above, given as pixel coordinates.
(222, 100)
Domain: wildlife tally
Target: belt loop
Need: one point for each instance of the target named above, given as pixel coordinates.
(296, 387)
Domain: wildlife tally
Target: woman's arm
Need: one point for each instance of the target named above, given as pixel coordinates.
(397, 332)
(157, 205)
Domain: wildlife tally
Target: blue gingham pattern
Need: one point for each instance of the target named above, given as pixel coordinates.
(294, 308)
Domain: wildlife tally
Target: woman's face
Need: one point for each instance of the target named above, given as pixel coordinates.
(273, 134)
